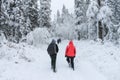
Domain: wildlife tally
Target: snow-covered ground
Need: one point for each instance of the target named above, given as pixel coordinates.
(94, 61)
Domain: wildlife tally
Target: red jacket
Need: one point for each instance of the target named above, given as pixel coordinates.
(70, 50)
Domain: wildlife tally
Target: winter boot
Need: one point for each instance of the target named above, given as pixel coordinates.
(73, 69)
(54, 70)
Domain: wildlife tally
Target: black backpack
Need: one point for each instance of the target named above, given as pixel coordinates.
(52, 49)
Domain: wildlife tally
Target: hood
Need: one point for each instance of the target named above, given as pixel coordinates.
(71, 42)
(53, 41)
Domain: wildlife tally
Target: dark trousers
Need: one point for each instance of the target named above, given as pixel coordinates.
(70, 61)
(53, 62)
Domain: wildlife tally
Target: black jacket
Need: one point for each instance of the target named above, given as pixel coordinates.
(52, 49)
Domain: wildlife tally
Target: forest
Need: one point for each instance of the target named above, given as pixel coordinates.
(97, 20)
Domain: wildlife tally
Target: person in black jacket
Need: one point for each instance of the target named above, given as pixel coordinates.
(52, 51)
(58, 40)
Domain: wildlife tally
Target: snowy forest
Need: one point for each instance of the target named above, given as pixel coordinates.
(26, 29)
(92, 20)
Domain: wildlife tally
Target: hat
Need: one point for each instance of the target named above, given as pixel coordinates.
(53, 41)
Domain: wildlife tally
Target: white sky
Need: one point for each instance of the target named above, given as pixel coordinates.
(58, 4)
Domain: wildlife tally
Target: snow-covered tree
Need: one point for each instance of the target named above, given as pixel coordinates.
(115, 18)
(4, 18)
(12, 19)
(104, 16)
(115, 7)
(81, 7)
(99, 22)
(38, 36)
(92, 19)
(27, 21)
(59, 20)
(18, 17)
(79, 11)
(65, 27)
(15, 16)
(32, 14)
(64, 14)
(45, 12)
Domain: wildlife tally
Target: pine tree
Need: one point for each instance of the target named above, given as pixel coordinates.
(64, 13)
(45, 12)
(27, 21)
(115, 7)
(115, 19)
(80, 11)
(58, 17)
(4, 18)
(32, 14)
(64, 24)
(81, 7)
(9, 8)
(92, 13)
(99, 22)
(104, 19)
(13, 19)
(16, 20)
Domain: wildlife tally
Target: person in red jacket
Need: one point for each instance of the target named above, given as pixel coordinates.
(70, 54)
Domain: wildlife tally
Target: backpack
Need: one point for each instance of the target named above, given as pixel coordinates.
(52, 49)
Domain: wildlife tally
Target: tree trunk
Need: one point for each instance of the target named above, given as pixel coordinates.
(78, 35)
(100, 32)
(100, 28)
(99, 3)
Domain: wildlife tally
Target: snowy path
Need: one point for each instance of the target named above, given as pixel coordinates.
(39, 69)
